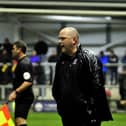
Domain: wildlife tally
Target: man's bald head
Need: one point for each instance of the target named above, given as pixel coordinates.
(71, 31)
(69, 40)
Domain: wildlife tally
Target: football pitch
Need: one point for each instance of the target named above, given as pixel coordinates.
(52, 119)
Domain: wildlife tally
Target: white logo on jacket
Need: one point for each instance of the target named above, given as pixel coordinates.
(26, 75)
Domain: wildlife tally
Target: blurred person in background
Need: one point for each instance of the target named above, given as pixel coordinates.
(113, 59)
(104, 60)
(5, 68)
(122, 80)
(5, 60)
(7, 46)
(22, 84)
(78, 86)
(35, 60)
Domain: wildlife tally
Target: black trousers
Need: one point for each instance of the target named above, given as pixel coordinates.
(22, 106)
(68, 121)
(122, 86)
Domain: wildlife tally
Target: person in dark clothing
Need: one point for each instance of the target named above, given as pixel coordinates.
(5, 69)
(113, 58)
(78, 87)
(7, 46)
(22, 84)
(122, 80)
(104, 60)
(35, 60)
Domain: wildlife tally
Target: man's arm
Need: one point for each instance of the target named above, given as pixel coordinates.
(21, 88)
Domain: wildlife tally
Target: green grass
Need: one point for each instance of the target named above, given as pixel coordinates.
(44, 119)
(119, 120)
(52, 119)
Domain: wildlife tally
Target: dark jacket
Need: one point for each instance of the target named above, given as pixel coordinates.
(78, 89)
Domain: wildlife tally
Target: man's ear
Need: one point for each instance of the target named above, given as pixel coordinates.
(74, 41)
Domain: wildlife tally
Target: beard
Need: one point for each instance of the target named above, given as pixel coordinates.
(14, 56)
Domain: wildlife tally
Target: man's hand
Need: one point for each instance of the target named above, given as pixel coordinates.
(12, 96)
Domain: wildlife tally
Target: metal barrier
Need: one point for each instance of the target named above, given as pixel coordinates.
(3, 89)
(45, 71)
(40, 91)
(43, 90)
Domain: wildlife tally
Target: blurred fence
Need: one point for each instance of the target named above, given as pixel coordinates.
(43, 78)
(40, 91)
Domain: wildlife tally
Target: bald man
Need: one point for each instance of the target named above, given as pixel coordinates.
(76, 82)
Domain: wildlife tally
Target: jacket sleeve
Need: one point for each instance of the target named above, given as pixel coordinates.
(96, 71)
(55, 87)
